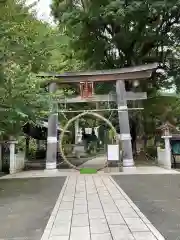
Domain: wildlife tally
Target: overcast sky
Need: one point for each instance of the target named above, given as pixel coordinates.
(43, 9)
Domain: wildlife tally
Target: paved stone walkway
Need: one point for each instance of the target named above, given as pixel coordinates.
(96, 208)
(97, 162)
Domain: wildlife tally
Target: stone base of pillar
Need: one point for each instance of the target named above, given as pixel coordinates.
(51, 166)
(12, 171)
(53, 172)
(128, 163)
(130, 170)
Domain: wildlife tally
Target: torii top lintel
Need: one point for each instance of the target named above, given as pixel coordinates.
(129, 73)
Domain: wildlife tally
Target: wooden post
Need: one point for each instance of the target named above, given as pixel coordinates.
(38, 144)
(58, 148)
(27, 148)
(51, 155)
(124, 124)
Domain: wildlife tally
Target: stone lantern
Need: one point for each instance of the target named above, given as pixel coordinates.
(166, 129)
(164, 155)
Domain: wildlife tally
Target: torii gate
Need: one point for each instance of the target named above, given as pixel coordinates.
(119, 76)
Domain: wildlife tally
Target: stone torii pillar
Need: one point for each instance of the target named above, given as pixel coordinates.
(51, 155)
(76, 131)
(124, 124)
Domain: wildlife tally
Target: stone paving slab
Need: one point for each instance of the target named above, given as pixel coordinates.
(158, 197)
(95, 208)
(110, 171)
(26, 205)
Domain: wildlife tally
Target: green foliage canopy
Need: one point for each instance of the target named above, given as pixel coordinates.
(109, 34)
(23, 52)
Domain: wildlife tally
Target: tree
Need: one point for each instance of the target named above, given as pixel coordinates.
(63, 58)
(113, 34)
(24, 51)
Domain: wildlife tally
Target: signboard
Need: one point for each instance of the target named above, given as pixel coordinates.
(113, 152)
(175, 146)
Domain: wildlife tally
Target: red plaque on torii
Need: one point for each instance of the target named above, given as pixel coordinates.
(86, 89)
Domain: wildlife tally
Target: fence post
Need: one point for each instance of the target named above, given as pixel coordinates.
(13, 164)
